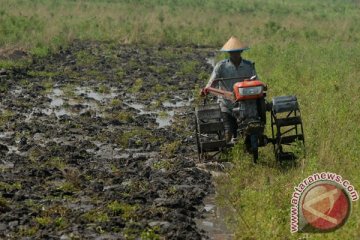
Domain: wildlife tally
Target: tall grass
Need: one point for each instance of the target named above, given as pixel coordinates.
(324, 79)
(40, 24)
(317, 60)
(302, 47)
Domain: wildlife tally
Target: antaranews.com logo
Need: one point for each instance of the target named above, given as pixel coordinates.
(321, 203)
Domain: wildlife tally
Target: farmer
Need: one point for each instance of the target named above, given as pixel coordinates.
(233, 67)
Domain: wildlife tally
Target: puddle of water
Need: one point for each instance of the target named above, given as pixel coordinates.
(46, 111)
(87, 105)
(6, 134)
(56, 102)
(6, 165)
(17, 91)
(13, 150)
(213, 223)
(55, 96)
(166, 120)
(140, 107)
(98, 143)
(209, 207)
(176, 104)
(163, 118)
(122, 156)
(30, 116)
(57, 92)
(208, 224)
(95, 95)
(211, 61)
(106, 152)
(62, 112)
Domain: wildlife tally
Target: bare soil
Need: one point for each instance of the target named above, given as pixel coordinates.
(96, 142)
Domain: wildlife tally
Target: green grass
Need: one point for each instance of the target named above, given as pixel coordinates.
(188, 67)
(5, 63)
(322, 74)
(150, 234)
(138, 84)
(169, 149)
(42, 25)
(5, 116)
(68, 187)
(126, 211)
(95, 216)
(140, 134)
(43, 221)
(56, 162)
(10, 187)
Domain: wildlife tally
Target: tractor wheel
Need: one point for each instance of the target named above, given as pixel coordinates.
(254, 143)
(255, 154)
(286, 127)
(209, 130)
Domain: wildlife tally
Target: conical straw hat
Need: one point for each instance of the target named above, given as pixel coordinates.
(233, 45)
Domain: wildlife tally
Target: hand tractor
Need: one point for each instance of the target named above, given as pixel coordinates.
(250, 107)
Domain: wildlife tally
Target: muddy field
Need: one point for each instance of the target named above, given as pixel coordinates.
(97, 143)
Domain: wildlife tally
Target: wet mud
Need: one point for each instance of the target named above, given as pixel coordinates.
(96, 142)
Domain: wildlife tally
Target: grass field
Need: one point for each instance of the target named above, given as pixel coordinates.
(302, 47)
(43, 24)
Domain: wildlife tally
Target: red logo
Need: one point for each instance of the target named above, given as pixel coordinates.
(325, 207)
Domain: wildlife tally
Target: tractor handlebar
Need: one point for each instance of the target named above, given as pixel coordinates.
(223, 93)
(232, 78)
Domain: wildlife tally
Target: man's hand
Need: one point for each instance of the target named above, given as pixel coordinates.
(203, 92)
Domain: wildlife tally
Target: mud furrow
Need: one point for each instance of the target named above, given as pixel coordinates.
(96, 143)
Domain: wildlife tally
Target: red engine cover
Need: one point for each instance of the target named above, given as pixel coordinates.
(246, 84)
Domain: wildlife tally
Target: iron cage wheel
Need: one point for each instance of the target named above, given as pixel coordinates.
(255, 154)
(209, 130)
(197, 137)
(286, 126)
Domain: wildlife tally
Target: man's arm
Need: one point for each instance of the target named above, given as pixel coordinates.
(254, 71)
(214, 75)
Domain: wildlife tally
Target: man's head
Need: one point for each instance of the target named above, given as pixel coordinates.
(235, 54)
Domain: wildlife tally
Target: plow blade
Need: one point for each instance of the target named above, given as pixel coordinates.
(290, 121)
(213, 146)
(211, 127)
(208, 112)
(292, 138)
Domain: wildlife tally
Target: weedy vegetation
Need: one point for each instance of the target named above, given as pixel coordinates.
(126, 211)
(95, 216)
(169, 149)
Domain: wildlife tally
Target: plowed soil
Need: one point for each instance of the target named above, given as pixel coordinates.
(96, 142)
